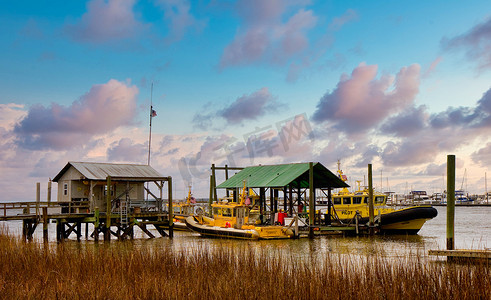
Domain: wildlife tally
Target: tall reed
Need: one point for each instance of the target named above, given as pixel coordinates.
(123, 271)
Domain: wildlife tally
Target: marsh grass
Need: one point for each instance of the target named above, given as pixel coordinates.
(124, 271)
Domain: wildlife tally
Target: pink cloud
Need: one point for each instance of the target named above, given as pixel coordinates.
(104, 108)
(265, 35)
(362, 101)
(106, 21)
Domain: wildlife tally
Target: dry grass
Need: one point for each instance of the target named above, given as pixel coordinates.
(123, 271)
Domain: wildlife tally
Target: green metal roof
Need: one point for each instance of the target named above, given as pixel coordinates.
(282, 175)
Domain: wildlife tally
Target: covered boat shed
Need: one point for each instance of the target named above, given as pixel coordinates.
(289, 179)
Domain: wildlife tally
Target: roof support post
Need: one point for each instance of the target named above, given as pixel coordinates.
(329, 206)
(262, 200)
(285, 198)
(107, 231)
(290, 199)
(311, 200)
(271, 204)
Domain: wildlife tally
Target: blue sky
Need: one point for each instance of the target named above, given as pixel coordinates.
(398, 84)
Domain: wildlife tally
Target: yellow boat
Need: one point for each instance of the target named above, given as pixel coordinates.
(234, 220)
(349, 206)
(184, 209)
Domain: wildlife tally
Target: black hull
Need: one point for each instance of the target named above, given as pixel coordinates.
(402, 216)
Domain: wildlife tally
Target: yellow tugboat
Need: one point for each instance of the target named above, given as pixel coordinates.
(350, 205)
(233, 220)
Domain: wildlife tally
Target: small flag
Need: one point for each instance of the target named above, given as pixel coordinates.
(154, 113)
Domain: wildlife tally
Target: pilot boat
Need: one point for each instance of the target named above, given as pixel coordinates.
(234, 220)
(349, 206)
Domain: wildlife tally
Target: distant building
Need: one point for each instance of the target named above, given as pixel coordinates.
(84, 181)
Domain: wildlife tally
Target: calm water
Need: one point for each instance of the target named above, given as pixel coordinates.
(472, 231)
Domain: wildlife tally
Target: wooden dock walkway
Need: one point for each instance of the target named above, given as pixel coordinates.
(462, 254)
(69, 218)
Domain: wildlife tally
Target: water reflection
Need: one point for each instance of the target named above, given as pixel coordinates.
(472, 231)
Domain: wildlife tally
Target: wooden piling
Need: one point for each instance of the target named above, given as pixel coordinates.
(371, 210)
(329, 206)
(215, 197)
(38, 197)
(210, 200)
(96, 224)
(450, 201)
(311, 200)
(171, 216)
(45, 224)
(48, 196)
(107, 231)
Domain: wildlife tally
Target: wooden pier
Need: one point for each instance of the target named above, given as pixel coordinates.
(35, 215)
(109, 199)
(460, 254)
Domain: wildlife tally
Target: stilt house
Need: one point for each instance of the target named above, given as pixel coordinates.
(87, 182)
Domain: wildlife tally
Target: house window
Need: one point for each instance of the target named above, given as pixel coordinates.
(65, 189)
(105, 191)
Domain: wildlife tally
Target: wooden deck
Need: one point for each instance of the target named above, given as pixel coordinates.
(462, 254)
(69, 218)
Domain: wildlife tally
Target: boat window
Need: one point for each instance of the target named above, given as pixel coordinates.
(227, 212)
(217, 210)
(379, 199)
(336, 200)
(346, 200)
(357, 200)
(365, 200)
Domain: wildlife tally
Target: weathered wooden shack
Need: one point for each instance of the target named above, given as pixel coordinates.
(86, 182)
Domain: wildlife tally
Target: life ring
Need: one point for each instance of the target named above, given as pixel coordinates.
(227, 224)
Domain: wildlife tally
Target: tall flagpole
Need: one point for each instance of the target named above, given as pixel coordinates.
(150, 134)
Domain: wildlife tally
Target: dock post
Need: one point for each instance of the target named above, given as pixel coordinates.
(210, 201)
(38, 197)
(329, 206)
(215, 197)
(60, 231)
(96, 224)
(45, 224)
(171, 214)
(311, 200)
(24, 230)
(48, 196)
(226, 178)
(107, 231)
(371, 213)
(450, 201)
